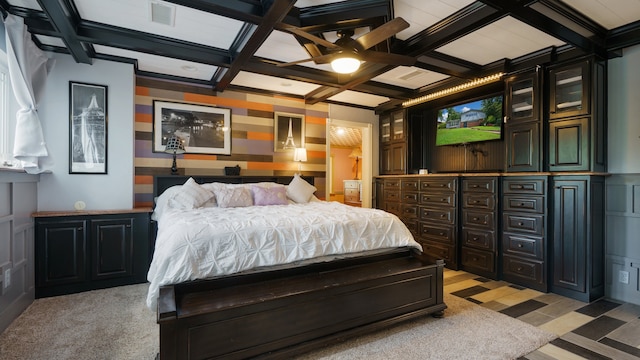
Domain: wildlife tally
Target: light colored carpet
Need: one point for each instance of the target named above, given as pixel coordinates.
(115, 324)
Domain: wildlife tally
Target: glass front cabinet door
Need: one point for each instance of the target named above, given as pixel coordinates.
(569, 90)
(522, 98)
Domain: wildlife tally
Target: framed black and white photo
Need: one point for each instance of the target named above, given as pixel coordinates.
(87, 128)
(288, 131)
(202, 129)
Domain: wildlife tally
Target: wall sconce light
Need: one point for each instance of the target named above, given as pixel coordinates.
(300, 155)
(174, 146)
(356, 153)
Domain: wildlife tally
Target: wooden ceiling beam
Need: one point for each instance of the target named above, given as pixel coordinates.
(64, 20)
(274, 15)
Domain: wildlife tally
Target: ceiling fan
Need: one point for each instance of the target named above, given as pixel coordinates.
(346, 53)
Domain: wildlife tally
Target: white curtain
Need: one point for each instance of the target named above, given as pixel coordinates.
(28, 69)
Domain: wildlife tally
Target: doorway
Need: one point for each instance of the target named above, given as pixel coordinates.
(365, 162)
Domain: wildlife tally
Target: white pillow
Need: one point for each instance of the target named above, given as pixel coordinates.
(192, 195)
(234, 197)
(299, 190)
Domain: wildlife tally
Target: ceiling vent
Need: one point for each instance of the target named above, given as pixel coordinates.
(162, 13)
(411, 75)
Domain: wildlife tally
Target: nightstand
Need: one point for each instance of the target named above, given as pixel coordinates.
(353, 192)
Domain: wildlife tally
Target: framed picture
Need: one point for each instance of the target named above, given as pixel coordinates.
(87, 128)
(288, 131)
(202, 129)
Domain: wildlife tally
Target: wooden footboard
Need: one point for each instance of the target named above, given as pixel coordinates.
(284, 312)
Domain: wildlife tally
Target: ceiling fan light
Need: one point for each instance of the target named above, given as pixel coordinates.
(345, 65)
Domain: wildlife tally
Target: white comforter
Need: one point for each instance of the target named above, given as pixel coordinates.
(207, 242)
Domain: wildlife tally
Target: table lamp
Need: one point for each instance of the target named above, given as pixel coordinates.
(174, 146)
(356, 153)
(300, 155)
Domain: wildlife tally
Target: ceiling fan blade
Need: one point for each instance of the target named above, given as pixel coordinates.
(322, 59)
(387, 58)
(382, 32)
(315, 39)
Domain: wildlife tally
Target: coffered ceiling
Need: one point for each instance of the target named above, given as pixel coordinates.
(242, 44)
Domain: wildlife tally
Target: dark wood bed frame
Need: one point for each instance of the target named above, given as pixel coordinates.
(280, 313)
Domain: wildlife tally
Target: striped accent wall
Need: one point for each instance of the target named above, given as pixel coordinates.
(252, 134)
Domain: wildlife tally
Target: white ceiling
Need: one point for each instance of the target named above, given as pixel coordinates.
(505, 38)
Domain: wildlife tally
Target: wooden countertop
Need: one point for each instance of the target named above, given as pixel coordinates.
(495, 174)
(90, 212)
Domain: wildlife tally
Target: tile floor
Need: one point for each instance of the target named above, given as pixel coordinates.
(604, 329)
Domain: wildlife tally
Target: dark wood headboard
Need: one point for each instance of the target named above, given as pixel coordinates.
(162, 183)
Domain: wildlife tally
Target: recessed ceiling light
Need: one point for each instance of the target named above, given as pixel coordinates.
(340, 131)
(189, 68)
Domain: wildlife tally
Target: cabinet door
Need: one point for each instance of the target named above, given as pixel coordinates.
(522, 98)
(523, 146)
(60, 252)
(385, 160)
(385, 128)
(569, 235)
(569, 90)
(569, 145)
(398, 158)
(112, 243)
(397, 125)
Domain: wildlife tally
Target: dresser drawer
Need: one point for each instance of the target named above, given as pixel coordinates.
(480, 201)
(523, 203)
(392, 207)
(439, 184)
(518, 245)
(480, 184)
(529, 272)
(439, 199)
(482, 219)
(409, 211)
(443, 216)
(351, 195)
(442, 234)
(485, 240)
(391, 184)
(351, 184)
(438, 251)
(478, 259)
(524, 186)
(391, 195)
(409, 185)
(410, 197)
(530, 224)
(413, 226)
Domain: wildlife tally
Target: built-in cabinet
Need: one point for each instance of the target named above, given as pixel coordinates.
(525, 231)
(522, 122)
(545, 232)
(84, 251)
(577, 116)
(393, 143)
(353, 192)
(479, 238)
(578, 237)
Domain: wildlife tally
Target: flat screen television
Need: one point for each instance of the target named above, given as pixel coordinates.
(471, 121)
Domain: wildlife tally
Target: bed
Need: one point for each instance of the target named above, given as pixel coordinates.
(275, 277)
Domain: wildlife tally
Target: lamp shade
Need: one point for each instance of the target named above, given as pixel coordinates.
(174, 145)
(356, 153)
(300, 154)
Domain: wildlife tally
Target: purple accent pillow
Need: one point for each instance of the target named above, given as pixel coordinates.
(275, 195)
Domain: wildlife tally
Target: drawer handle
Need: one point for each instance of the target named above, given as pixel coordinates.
(442, 216)
(521, 204)
(520, 223)
(519, 245)
(443, 200)
(519, 268)
(441, 234)
(475, 259)
(475, 238)
(475, 219)
(474, 186)
(426, 213)
(475, 201)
